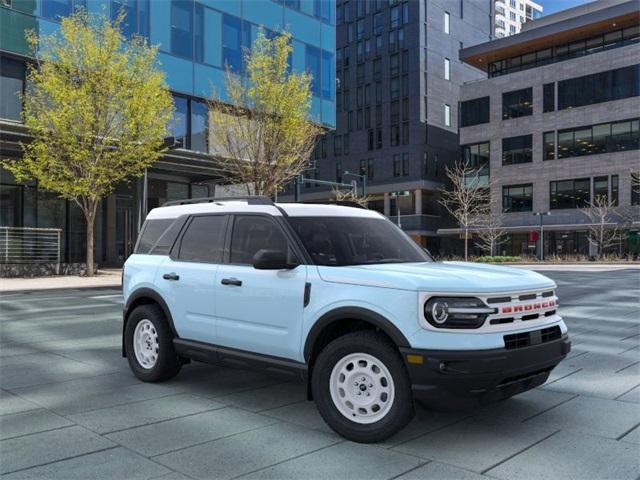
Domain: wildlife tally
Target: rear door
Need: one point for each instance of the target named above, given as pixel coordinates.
(259, 310)
(188, 277)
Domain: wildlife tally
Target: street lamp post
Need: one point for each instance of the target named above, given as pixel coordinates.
(541, 215)
(364, 181)
(396, 195)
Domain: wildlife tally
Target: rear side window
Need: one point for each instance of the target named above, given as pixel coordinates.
(203, 241)
(151, 232)
(253, 233)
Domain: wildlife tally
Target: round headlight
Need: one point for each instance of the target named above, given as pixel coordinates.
(439, 311)
(456, 312)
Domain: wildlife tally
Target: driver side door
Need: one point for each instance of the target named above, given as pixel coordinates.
(259, 310)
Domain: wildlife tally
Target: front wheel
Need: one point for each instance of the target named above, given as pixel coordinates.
(361, 387)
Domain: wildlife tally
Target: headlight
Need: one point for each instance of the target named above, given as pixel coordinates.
(456, 312)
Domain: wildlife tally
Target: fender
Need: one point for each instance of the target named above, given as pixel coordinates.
(157, 298)
(353, 313)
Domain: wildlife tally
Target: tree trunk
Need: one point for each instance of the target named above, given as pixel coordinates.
(90, 217)
(466, 243)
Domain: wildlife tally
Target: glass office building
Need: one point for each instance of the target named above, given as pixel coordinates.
(197, 40)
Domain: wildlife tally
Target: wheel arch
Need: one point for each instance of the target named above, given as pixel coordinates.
(145, 296)
(334, 319)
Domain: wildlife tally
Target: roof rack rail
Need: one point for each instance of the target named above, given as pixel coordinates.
(250, 199)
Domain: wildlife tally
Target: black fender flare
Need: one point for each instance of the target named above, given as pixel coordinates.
(146, 293)
(352, 313)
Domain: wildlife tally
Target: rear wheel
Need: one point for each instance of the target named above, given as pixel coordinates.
(149, 345)
(362, 388)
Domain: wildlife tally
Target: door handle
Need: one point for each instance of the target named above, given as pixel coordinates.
(171, 276)
(231, 281)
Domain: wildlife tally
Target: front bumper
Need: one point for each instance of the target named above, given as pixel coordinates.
(457, 378)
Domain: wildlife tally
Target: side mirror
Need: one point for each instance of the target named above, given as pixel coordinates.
(272, 260)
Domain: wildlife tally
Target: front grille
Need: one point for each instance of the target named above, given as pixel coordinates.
(526, 339)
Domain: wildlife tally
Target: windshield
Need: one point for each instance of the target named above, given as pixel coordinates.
(342, 241)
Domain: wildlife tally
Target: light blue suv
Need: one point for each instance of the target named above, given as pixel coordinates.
(338, 297)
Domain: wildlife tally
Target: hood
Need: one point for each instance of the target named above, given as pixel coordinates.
(454, 277)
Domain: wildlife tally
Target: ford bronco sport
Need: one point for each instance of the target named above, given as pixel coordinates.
(339, 297)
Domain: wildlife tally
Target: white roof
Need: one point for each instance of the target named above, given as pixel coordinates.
(241, 206)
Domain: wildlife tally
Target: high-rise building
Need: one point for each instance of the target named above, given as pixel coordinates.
(557, 124)
(398, 81)
(197, 39)
(510, 15)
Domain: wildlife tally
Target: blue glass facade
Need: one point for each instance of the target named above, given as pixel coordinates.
(198, 38)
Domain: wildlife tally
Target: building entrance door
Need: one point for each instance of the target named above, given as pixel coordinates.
(124, 228)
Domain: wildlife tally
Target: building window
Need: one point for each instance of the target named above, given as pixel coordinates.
(549, 145)
(136, 20)
(182, 28)
(517, 103)
(396, 166)
(370, 142)
(337, 145)
(570, 193)
(477, 156)
(635, 188)
(199, 126)
(447, 69)
(601, 188)
(599, 87)
(328, 75)
(516, 150)
(377, 24)
(615, 192)
(602, 138)
(405, 164)
(447, 115)
(231, 42)
(447, 23)
(56, 9)
(370, 168)
(517, 198)
(12, 78)
(339, 172)
(312, 61)
(549, 97)
(395, 135)
(394, 16)
(179, 125)
(474, 112)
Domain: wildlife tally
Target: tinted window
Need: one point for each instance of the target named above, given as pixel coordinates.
(168, 238)
(548, 97)
(517, 198)
(151, 232)
(517, 103)
(340, 241)
(599, 87)
(204, 239)
(516, 150)
(252, 233)
(474, 112)
(570, 193)
(182, 28)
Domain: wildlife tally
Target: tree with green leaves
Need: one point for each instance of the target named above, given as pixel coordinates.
(261, 131)
(97, 107)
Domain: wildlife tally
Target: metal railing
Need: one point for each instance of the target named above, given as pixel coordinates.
(30, 245)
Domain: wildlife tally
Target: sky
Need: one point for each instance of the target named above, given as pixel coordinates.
(553, 6)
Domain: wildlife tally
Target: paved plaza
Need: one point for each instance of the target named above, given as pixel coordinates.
(71, 409)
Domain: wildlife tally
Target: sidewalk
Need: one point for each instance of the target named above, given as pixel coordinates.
(104, 278)
(576, 267)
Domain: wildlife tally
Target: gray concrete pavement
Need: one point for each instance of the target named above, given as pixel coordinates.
(71, 409)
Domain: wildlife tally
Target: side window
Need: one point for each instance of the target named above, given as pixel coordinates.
(204, 239)
(152, 230)
(252, 233)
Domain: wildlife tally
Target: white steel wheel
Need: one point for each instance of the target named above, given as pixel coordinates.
(145, 344)
(362, 388)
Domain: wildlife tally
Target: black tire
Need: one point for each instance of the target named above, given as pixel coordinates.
(378, 346)
(167, 364)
